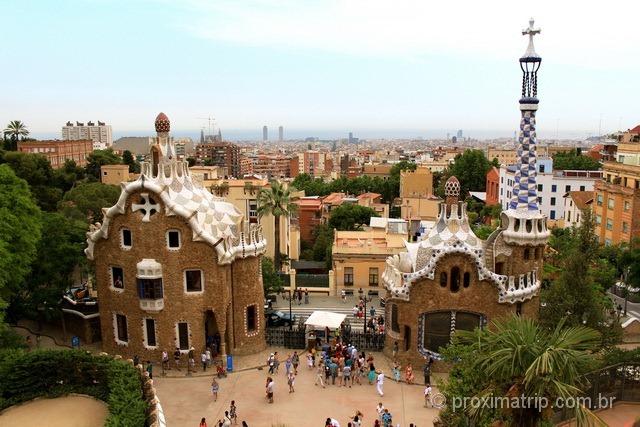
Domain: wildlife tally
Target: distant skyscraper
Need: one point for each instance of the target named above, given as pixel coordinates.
(459, 134)
(280, 133)
(201, 136)
(265, 133)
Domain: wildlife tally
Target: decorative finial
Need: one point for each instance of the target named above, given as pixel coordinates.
(531, 31)
(163, 125)
(452, 190)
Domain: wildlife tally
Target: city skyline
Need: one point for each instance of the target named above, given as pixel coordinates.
(251, 66)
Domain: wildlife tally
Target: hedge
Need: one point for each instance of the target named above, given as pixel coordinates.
(53, 373)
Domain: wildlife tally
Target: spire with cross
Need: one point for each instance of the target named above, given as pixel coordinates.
(531, 31)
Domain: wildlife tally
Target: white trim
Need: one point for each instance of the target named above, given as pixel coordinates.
(111, 286)
(122, 245)
(115, 329)
(256, 331)
(173, 230)
(144, 333)
(77, 313)
(184, 280)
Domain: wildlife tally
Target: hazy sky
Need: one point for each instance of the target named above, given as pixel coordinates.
(416, 67)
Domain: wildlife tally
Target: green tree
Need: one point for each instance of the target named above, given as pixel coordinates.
(350, 217)
(471, 169)
(15, 129)
(98, 158)
(571, 160)
(19, 233)
(37, 171)
(513, 358)
(271, 281)
(322, 244)
(68, 175)
(128, 159)
(59, 251)
(277, 201)
(85, 201)
(575, 297)
(401, 166)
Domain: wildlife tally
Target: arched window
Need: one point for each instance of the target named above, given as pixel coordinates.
(443, 279)
(466, 281)
(526, 253)
(455, 279)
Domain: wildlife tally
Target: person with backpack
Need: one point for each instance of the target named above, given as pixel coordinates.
(387, 418)
(295, 360)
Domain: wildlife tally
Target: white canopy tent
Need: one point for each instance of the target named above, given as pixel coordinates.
(325, 319)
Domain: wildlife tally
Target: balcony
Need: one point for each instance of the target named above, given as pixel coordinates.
(152, 305)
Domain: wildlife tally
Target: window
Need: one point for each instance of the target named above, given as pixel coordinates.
(117, 277)
(150, 332)
(253, 211)
(499, 267)
(443, 279)
(252, 321)
(569, 216)
(455, 279)
(395, 327)
(466, 281)
(122, 334)
(193, 280)
(373, 276)
(582, 188)
(540, 187)
(626, 205)
(625, 227)
(599, 200)
(183, 336)
(541, 168)
(567, 188)
(609, 224)
(526, 254)
(518, 309)
(610, 203)
(150, 288)
(173, 239)
(553, 214)
(554, 188)
(553, 201)
(348, 276)
(540, 200)
(598, 219)
(125, 238)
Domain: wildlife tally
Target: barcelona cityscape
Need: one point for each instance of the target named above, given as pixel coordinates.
(277, 213)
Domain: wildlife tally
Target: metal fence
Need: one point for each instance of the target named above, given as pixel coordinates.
(364, 341)
(312, 280)
(283, 337)
(617, 383)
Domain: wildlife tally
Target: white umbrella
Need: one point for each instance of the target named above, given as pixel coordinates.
(325, 319)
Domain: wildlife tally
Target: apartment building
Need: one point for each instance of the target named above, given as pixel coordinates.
(220, 154)
(417, 201)
(275, 166)
(58, 152)
(575, 203)
(100, 134)
(313, 163)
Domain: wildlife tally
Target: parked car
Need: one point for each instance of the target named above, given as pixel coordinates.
(278, 318)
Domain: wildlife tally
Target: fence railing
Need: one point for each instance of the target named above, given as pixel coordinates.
(312, 280)
(283, 337)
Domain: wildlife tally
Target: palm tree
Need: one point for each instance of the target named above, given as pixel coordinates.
(15, 129)
(277, 201)
(519, 358)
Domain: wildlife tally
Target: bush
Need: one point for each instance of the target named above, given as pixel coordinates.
(53, 373)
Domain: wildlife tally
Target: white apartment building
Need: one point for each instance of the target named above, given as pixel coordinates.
(100, 134)
(552, 186)
(575, 202)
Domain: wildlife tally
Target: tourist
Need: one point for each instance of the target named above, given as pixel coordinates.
(372, 373)
(427, 370)
(380, 411)
(287, 365)
(380, 383)
(427, 396)
(165, 360)
(207, 354)
(176, 358)
(334, 371)
(355, 310)
(136, 360)
(226, 422)
(346, 373)
(306, 296)
(203, 359)
(356, 420)
(394, 352)
(320, 372)
(376, 423)
(291, 379)
(396, 371)
(203, 422)
(215, 388)
(233, 414)
(150, 369)
(331, 423)
(408, 374)
(191, 356)
(387, 419)
(271, 363)
(310, 360)
(295, 360)
(343, 295)
(276, 362)
(269, 387)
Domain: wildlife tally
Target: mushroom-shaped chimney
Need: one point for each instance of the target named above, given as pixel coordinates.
(163, 125)
(452, 190)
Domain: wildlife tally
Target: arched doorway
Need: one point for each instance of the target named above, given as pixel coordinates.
(212, 336)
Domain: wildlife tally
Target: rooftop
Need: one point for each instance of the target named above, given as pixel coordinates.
(581, 198)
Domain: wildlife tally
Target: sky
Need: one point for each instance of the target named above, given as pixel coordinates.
(400, 68)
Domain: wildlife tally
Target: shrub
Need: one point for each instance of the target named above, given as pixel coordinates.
(53, 373)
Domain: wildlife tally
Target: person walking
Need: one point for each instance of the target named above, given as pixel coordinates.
(291, 379)
(269, 387)
(427, 370)
(427, 396)
(271, 363)
(306, 296)
(295, 360)
(203, 359)
(203, 422)
(343, 296)
(165, 361)
(394, 352)
(226, 422)
(233, 412)
(387, 419)
(380, 411)
(276, 362)
(408, 374)
(346, 374)
(215, 388)
(207, 354)
(396, 371)
(320, 374)
(310, 360)
(380, 383)
(192, 361)
(287, 365)
(372, 373)
(176, 358)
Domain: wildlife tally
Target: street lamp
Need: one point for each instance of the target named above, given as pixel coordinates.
(626, 289)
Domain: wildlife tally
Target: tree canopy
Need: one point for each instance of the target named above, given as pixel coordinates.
(271, 281)
(37, 171)
(571, 160)
(99, 158)
(471, 169)
(85, 201)
(276, 200)
(128, 159)
(350, 217)
(19, 233)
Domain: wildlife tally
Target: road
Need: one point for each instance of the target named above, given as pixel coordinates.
(327, 303)
(633, 308)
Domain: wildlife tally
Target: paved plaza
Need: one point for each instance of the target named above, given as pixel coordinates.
(187, 399)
